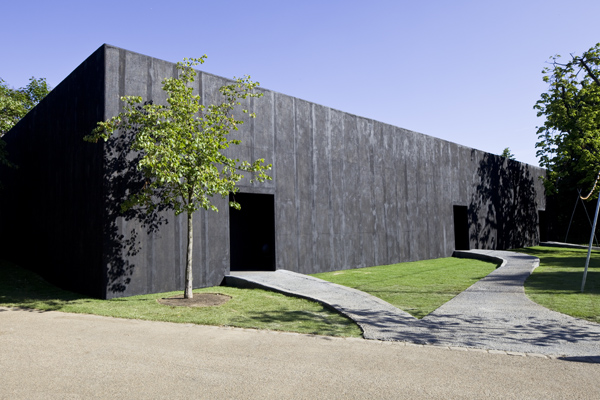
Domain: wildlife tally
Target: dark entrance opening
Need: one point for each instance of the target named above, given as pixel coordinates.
(252, 232)
(461, 228)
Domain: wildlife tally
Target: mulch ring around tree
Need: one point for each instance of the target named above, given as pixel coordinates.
(199, 300)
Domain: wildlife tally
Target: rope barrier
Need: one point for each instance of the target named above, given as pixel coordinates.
(591, 191)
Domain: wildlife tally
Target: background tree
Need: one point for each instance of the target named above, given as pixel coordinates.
(507, 154)
(569, 139)
(181, 148)
(14, 104)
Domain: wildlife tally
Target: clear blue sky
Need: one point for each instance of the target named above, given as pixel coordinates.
(465, 71)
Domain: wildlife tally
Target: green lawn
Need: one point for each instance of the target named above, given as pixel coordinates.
(417, 287)
(248, 308)
(556, 283)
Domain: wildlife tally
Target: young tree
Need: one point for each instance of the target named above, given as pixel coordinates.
(569, 139)
(181, 148)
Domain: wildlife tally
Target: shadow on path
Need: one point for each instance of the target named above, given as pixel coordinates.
(493, 314)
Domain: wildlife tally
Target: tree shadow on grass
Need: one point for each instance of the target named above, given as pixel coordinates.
(563, 274)
(575, 262)
(321, 321)
(560, 255)
(30, 291)
(563, 282)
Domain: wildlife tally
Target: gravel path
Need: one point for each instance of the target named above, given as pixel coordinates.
(53, 355)
(493, 314)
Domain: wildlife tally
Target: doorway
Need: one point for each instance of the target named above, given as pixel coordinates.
(461, 228)
(252, 232)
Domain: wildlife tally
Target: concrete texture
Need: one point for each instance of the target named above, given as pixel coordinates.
(52, 355)
(492, 314)
(349, 191)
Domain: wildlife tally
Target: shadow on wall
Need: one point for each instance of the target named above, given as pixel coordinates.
(121, 244)
(503, 210)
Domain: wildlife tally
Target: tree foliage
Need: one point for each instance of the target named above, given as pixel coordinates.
(507, 154)
(14, 104)
(569, 139)
(181, 147)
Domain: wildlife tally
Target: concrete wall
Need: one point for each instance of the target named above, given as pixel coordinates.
(349, 191)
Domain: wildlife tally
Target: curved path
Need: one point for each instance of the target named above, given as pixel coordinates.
(493, 314)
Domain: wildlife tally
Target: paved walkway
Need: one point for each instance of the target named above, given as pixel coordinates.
(493, 314)
(53, 355)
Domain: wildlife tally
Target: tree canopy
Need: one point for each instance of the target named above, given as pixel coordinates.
(15, 103)
(506, 153)
(181, 147)
(569, 139)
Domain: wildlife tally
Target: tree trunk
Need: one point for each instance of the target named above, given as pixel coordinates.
(188, 264)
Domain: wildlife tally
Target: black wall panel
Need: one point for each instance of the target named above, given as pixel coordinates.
(347, 191)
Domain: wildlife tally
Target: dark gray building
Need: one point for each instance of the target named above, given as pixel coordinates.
(346, 192)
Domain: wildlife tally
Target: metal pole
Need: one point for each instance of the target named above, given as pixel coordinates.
(587, 261)
(588, 217)
(573, 213)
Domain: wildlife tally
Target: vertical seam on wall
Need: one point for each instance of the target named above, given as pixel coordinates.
(393, 223)
(343, 185)
(358, 192)
(330, 176)
(149, 80)
(377, 161)
(384, 187)
(206, 256)
(429, 152)
(360, 188)
(122, 221)
(370, 161)
(204, 213)
(274, 177)
(358, 258)
(315, 234)
(398, 191)
(297, 200)
(103, 260)
(252, 139)
(419, 194)
(408, 231)
(122, 67)
(423, 195)
(152, 239)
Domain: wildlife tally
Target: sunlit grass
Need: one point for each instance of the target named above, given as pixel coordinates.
(248, 308)
(416, 287)
(556, 283)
